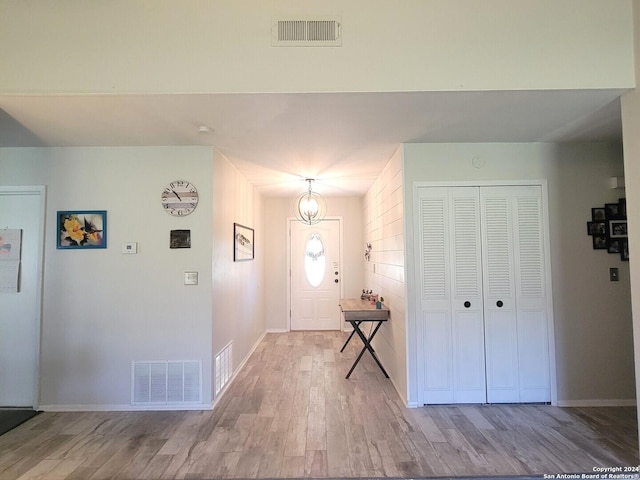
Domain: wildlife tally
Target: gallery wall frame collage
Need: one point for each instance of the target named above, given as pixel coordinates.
(608, 228)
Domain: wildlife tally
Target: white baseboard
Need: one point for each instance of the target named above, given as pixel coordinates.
(124, 408)
(277, 330)
(624, 402)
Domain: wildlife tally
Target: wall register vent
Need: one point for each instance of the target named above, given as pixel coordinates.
(166, 382)
(223, 368)
(307, 32)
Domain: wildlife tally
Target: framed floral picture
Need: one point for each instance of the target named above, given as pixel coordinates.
(81, 229)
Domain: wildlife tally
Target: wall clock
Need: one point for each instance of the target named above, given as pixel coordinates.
(179, 198)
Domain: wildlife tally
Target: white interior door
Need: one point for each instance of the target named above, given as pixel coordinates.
(451, 301)
(483, 326)
(20, 312)
(516, 319)
(315, 275)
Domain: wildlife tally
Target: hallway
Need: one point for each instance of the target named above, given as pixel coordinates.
(291, 413)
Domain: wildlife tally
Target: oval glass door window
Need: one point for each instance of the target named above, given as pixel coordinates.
(314, 260)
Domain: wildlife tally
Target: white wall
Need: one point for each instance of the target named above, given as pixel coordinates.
(238, 287)
(103, 309)
(385, 271)
(631, 126)
(164, 46)
(593, 326)
(277, 210)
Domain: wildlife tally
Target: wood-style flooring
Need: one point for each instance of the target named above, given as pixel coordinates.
(291, 413)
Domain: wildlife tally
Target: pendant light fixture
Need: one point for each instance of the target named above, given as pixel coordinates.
(310, 207)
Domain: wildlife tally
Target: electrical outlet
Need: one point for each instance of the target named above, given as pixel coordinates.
(614, 274)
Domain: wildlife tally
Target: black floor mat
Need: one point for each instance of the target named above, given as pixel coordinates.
(12, 417)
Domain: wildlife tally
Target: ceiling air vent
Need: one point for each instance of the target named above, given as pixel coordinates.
(307, 32)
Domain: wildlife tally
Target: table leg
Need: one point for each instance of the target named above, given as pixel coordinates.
(367, 346)
(348, 339)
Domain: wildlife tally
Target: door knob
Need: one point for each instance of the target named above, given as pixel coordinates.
(336, 280)
(467, 304)
(499, 303)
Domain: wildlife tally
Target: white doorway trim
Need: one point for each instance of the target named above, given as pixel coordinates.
(542, 183)
(290, 220)
(39, 190)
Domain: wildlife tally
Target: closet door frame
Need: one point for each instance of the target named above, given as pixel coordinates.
(542, 183)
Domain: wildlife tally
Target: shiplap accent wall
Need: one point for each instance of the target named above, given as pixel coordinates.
(384, 272)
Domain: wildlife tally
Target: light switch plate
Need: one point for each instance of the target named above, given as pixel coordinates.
(191, 278)
(130, 247)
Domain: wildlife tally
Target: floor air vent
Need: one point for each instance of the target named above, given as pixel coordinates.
(309, 32)
(166, 382)
(223, 368)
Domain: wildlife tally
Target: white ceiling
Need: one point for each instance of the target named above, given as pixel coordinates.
(341, 139)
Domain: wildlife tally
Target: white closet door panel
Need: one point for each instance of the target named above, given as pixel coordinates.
(469, 373)
(534, 356)
(434, 304)
(467, 301)
(499, 295)
(533, 347)
(497, 242)
(466, 254)
(433, 241)
(502, 356)
(438, 381)
(528, 243)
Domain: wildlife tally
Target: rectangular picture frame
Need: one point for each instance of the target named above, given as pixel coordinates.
(598, 214)
(243, 243)
(624, 249)
(180, 239)
(612, 211)
(81, 229)
(596, 228)
(599, 242)
(618, 229)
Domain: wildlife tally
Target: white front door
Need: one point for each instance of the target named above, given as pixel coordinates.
(315, 275)
(21, 209)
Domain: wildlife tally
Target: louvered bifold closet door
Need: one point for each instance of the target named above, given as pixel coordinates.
(450, 300)
(517, 355)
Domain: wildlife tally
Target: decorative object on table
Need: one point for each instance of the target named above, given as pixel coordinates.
(243, 243)
(180, 239)
(608, 228)
(366, 294)
(310, 207)
(81, 229)
(179, 198)
(379, 303)
(367, 252)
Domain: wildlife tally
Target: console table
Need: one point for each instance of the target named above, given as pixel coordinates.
(356, 311)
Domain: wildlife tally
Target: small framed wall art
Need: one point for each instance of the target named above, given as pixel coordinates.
(81, 229)
(243, 246)
(180, 239)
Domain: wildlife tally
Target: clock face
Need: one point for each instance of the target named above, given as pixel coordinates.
(179, 198)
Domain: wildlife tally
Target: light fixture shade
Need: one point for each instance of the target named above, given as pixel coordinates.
(310, 207)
